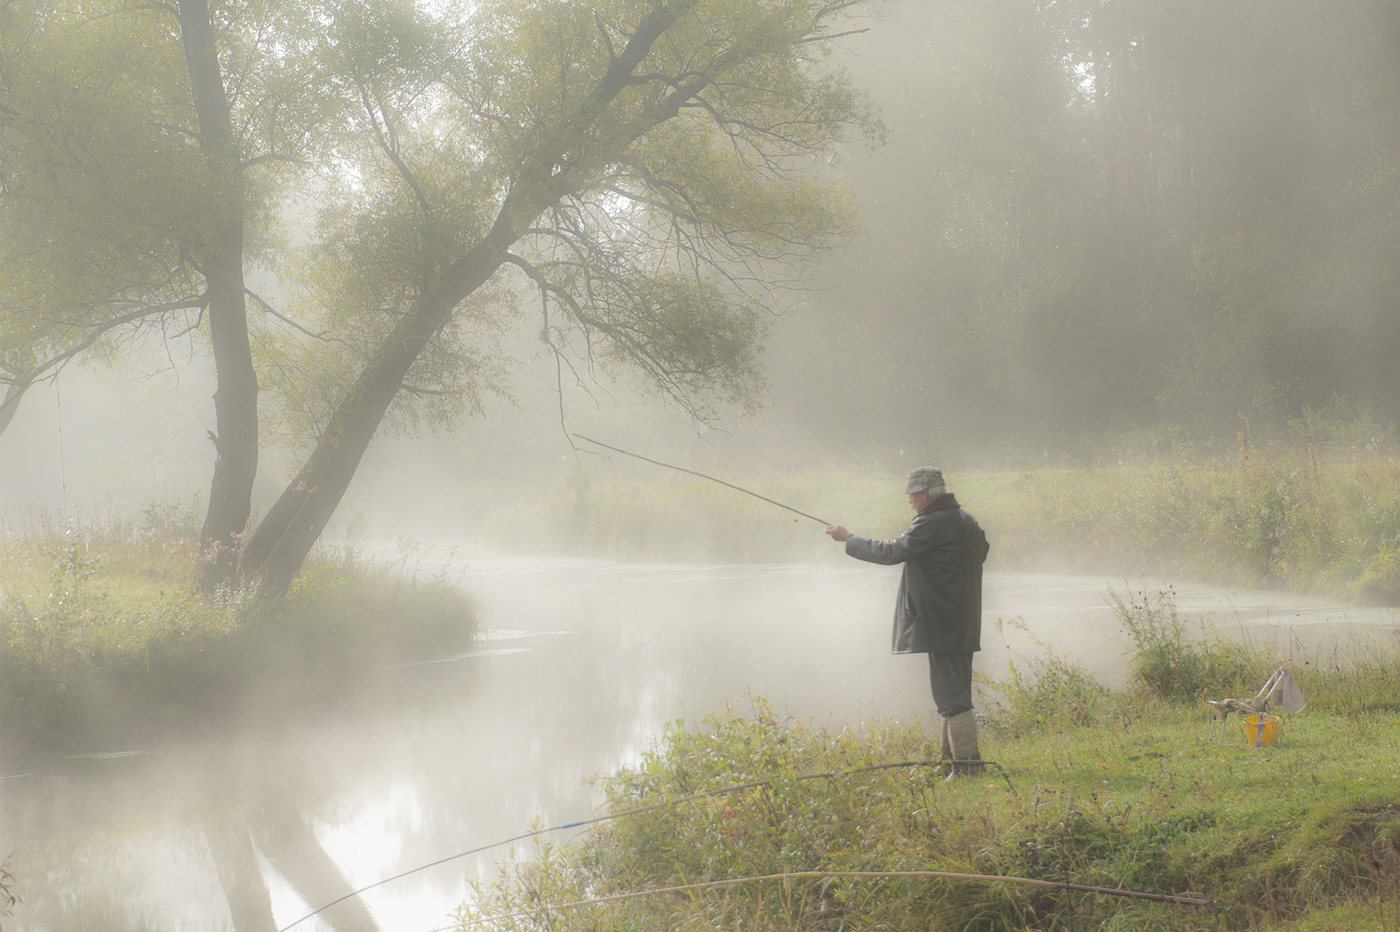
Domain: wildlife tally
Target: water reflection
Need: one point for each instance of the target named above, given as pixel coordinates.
(581, 666)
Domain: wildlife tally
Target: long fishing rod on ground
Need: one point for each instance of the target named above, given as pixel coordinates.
(702, 476)
(639, 810)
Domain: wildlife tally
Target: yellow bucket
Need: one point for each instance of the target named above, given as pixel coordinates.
(1261, 734)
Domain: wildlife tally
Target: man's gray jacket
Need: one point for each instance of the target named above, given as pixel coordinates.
(939, 607)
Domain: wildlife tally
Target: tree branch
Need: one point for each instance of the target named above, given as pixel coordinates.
(269, 309)
(834, 35)
(20, 381)
(390, 145)
(273, 157)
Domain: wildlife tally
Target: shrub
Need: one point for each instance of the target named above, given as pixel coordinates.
(1168, 664)
(1045, 689)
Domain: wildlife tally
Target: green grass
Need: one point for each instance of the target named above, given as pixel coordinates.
(1292, 521)
(1124, 790)
(105, 645)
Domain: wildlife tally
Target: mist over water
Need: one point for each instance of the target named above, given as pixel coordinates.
(581, 665)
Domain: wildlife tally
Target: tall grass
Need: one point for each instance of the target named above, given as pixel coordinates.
(1171, 662)
(1042, 689)
(1293, 521)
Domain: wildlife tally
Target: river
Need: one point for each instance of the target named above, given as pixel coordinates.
(580, 667)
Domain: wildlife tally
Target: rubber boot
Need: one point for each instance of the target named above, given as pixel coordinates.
(946, 754)
(962, 735)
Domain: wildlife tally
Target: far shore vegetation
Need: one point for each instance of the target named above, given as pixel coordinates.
(105, 641)
(1318, 515)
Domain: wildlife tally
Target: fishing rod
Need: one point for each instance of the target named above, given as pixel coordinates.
(702, 476)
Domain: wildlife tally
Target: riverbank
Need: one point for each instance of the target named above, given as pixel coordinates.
(756, 820)
(1303, 520)
(581, 664)
(104, 644)
(105, 647)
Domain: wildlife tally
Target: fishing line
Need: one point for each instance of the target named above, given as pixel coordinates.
(702, 476)
(853, 875)
(62, 459)
(639, 810)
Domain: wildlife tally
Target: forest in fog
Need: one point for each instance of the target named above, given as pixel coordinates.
(1098, 216)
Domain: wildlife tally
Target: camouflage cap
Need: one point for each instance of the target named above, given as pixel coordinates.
(925, 477)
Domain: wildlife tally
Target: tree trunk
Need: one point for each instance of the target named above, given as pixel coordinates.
(10, 405)
(249, 903)
(236, 417)
(291, 844)
(236, 397)
(277, 549)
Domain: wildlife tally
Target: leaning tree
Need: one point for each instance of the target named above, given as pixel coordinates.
(650, 170)
(647, 174)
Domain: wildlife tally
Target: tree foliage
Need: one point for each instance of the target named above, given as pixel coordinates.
(101, 195)
(652, 210)
(650, 170)
(653, 173)
(144, 150)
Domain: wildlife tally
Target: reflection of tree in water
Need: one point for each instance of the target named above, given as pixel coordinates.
(242, 880)
(287, 840)
(256, 803)
(443, 757)
(136, 841)
(430, 730)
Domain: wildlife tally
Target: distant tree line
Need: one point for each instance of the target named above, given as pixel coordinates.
(1095, 215)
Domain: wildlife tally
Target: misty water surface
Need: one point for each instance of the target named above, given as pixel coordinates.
(580, 667)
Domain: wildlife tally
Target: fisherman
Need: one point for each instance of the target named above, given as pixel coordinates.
(938, 610)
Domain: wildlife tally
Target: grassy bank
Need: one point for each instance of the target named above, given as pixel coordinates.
(756, 821)
(1295, 521)
(1301, 519)
(104, 646)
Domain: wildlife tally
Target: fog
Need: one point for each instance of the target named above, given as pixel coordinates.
(1079, 226)
(1087, 221)
(107, 444)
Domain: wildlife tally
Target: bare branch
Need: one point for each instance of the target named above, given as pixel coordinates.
(269, 309)
(389, 146)
(834, 35)
(20, 381)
